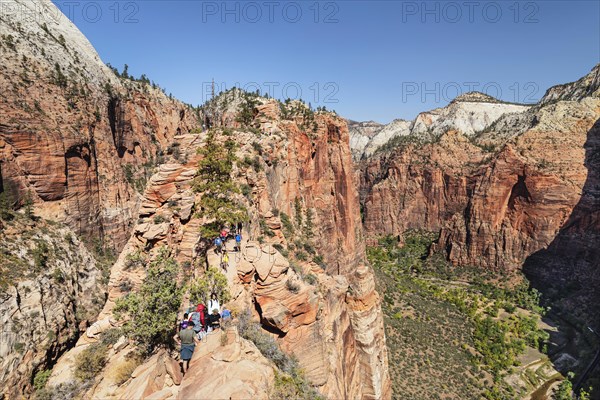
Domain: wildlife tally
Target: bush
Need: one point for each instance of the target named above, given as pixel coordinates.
(320, 262)
(288, 227)
(310, 279)
(264, 342)
(300, 255)
(135, 260)
(265, 228)
(41, 378)
(246, 189)
(153, 310)
(292, 286)
(293, 386)
(69, 390)
(111, 336)
(90, 362)
(40, 255)
(212, 282)
(123, 371)
(159, 219)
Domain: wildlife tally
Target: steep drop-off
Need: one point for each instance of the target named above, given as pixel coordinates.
(332, 323)
(517, 193)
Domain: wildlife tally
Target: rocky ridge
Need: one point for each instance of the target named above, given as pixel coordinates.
(470, 113)
(331, 324)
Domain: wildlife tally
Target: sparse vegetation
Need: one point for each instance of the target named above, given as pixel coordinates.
(135, 260)
(433, 318)
(290, 381)
(90, 362)
(41, 378)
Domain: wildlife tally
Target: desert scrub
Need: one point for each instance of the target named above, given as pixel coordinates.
(437, 323)
(213, 281)
(90, 362)
(41, 378)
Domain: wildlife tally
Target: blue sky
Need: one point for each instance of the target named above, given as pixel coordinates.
(368, 60)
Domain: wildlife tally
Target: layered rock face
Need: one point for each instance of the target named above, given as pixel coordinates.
(72, 134)
(469, 114)
(333, 325)
(99, 152)
(50, 289)
(522, 184)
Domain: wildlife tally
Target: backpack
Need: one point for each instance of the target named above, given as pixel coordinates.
(196, 320)
(218, 241)
(238, 238)
(202, 312)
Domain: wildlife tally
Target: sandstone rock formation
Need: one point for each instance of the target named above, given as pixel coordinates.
(74, 135)
(521, 186)
(333, 325)
(52, 288)
(468, 113)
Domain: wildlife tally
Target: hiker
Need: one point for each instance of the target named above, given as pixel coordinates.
(202, 310)
(224, 235)
(184, 323)
(196, 318)
(218, 245)
(214, 302)
(238, 242)
(187, 340)
(225, 261)
(214, 319)
(225, 314)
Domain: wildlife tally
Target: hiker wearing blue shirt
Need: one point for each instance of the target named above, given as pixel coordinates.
(218, 245)
(238, 242)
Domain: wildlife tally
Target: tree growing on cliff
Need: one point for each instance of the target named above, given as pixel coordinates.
(212, 282)
(152, 311)
(213, 180)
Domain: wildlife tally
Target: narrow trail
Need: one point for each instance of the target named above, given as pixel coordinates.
(235, 257)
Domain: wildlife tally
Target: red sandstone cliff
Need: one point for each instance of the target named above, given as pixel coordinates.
(333, 325)
(71, 133)
(523, 186)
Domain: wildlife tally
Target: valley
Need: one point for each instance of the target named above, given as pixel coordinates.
(452, 256)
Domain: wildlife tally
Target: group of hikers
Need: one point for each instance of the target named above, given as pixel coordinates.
(200, 321)
(196, 324)
(221, 243)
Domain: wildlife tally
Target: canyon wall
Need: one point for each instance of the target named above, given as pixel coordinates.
(333, 324)
(522, 186)
(73, 135)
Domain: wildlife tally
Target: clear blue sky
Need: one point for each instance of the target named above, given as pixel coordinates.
(379, 60)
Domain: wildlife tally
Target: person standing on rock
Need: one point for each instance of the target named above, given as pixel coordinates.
(203, 312)
(213, 303)
(224, 235)
(214, 319)
(187, 341)
(184, 323)
(225, 261)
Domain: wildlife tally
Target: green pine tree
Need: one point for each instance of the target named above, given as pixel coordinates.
(214, 182)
